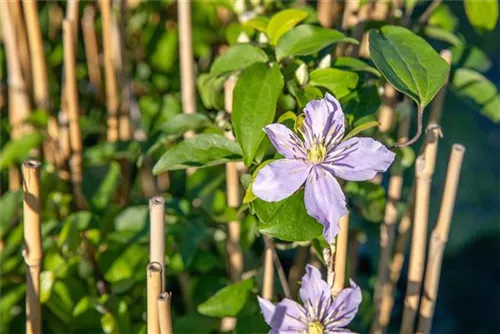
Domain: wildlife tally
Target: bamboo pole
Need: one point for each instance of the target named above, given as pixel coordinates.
(388, 229)
(297, 270)
(164, 312)
(157, 232)
(76, 158)
(268, 280)
(424, 170)
(91, 49)
(340, 264)
(19, 105)
(33, 252)
(154, 287)
(439, 239)
(325, 13)
(22, 45)
(437, 104)
(386, 113)
(110, 78)
(349, 19)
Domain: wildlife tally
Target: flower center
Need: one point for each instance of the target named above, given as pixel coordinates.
(317, 153)
(315, 328)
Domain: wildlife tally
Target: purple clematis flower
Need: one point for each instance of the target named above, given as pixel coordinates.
(318, 160)
(321, 313)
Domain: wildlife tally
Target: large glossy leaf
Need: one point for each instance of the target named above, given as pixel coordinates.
(238, 57)
(307, 39)
(338, 82)
(410, 64)
(287, 220)
(282, 22)
(227, 302)
(482, 15)
(199, 151)
(254, 106)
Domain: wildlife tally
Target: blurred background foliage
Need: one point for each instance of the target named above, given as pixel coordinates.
(94, 267)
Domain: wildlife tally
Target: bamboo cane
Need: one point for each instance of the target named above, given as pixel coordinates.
(18, 21)
(386, 113)
(186, 57)
(32, 244)
(325, 13)
(154, 287)
(19, 105)
(110, 78)
(340, 264)
(157, 232)
(268, 280)
(297, 270)
(439, 239)
(437, 104)
(424, 170)
(164, 312)
(388, 230)
(349, 19)
(91, 49)
(72, 105)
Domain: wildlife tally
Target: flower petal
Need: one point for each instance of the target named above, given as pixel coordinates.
(345, 306)
(288, 317)
(324, 120)
(267, 309)
(359, 159)
(313, 287)
(280, 179)
(285, 141)
(325, 201)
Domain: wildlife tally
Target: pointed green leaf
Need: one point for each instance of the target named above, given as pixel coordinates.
(238, 57)
(282, 22)
(258, 23)
(482, 15)
(359, 128)
(227, 302)
(338, 82)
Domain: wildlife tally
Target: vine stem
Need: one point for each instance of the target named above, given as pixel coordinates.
(420, 115)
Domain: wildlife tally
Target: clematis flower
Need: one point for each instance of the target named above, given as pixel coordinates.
(317, 160)
(321, 313)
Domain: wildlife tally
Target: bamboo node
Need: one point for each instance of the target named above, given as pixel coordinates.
(32, 163)
(157, 200)
(155, 267)
(165, 296)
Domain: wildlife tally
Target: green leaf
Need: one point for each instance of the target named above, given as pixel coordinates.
(100, 183)
(47, 279)
(282, 22)
(211, 89)
(359, 128)
(441, 34)
(238, 57)
(181, 123)
(362, 102)
(338, 82)
(258, 23)
(227, 302)
(132, 219)
(444, 18)
(11, 204)
(109, 324)
(254, 105)
(287, 220)
(492, 109)
(307, 39)
(199, 151)
(16, 151)
(356, 65)
(470, 56)
(482, 15)
(410, 64)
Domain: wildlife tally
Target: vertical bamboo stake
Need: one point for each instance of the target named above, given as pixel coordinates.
(186, 57)
(388, 229)
(424, 167)
(349, 19)
(297, 270)
(268, 281)
(386, 113)
(154, 287)
(19, 105)
(32, 244)
(110, 78)
(22, 45)
(91, 49)
(72, 105)
(437, 104)
(325, 13)
(439, 239)
(164, 313)
(157, 232)
(341, 256)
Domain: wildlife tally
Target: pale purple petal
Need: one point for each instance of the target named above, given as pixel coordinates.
(325, 201)
(358, 159)
(313, 286)
(285, 141)
(267, 309)
(280, 179)
(345, 306)
(287, 316)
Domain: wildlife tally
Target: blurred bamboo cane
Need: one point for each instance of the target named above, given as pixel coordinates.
(18, 21)
(439, 239)
(32, 244)
(437, 104)
(154, 289)
(157, 232)
(268, 279)
(91, 49)
(340, 254)
(164, 313)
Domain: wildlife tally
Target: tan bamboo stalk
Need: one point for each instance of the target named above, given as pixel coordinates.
(157, 232)
(340, 264)
(154, 289)
(18, 21)
(349, 19)
(386, 113)
(165, 313)
(325, 13)
(76, 158)
(72, 14)
(91, 49)
(110, 78)
(437, 104)
(268, 281)
(186, 57)
(388, 230)
(19, 105)
(33, 244)
(424, 170)
(439, 239)
(297, 270)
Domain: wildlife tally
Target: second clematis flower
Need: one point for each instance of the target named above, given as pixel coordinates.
(317, 160)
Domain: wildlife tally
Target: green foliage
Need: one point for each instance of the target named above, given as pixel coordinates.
(282, 22)
(227, 302)
(238, 57)
(16, 151)
(482, 15)
(338, 82)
